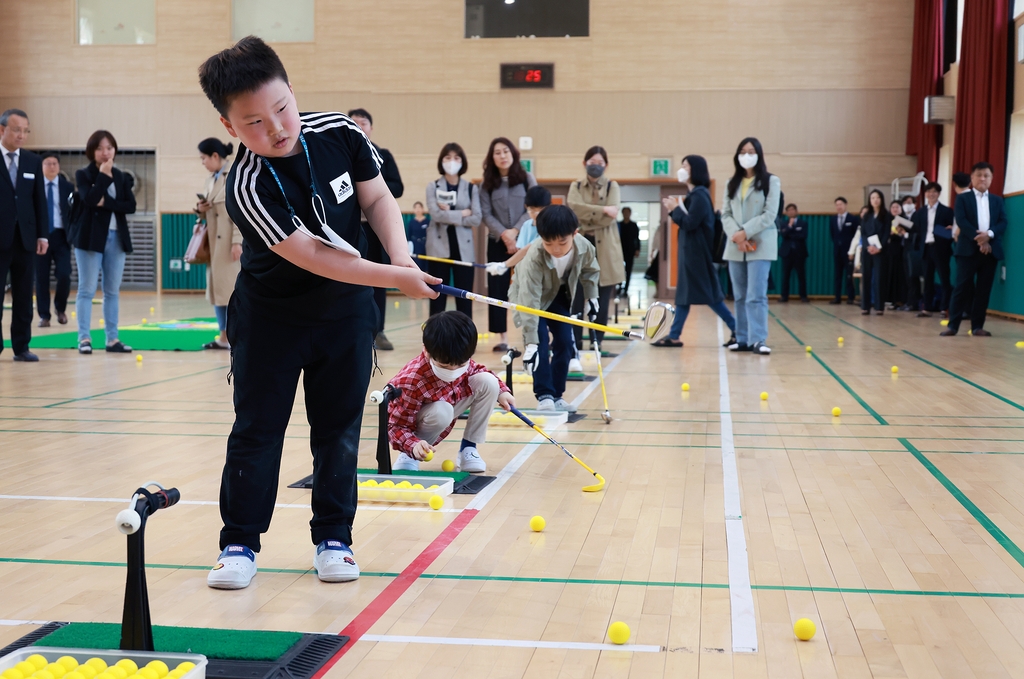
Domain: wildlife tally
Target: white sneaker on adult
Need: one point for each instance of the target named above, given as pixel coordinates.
(406, 463)
(470, 461)
(235, 568)
(335, 562)
(575, 366)
(546, 404)
(564, 406)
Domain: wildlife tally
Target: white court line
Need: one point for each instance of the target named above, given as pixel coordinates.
(510, 643)
(214, 503)
(17, 623)
(741, 598)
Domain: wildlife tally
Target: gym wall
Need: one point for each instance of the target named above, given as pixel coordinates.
(822, 84)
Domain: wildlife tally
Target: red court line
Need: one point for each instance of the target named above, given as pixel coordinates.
(383, 601)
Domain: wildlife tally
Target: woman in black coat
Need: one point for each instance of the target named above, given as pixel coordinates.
(101, 238)
(696, 277)
(877, 224)
(893, 279)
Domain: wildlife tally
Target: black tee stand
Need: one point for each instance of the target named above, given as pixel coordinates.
(616, 309)
(390, 392)
(136, 624)
(512, 354)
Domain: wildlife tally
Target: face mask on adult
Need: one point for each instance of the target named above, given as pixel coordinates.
(595, 171)
(452, 167)
(682, 175)
(908, 210)
(447, 374)
(747, 160)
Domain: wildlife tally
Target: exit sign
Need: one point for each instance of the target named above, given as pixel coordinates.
(661, 167)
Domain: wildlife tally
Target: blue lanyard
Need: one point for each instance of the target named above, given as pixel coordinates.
(321, 213)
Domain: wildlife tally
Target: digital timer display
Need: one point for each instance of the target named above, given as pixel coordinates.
(527, 76)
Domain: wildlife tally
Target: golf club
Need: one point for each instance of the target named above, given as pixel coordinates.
(428, 258)
(606, 415)
(586, 489)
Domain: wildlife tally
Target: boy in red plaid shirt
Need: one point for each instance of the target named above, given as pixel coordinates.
(437, 386)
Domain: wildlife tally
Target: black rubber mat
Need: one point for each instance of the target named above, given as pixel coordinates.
(576, 417)
(471, 485)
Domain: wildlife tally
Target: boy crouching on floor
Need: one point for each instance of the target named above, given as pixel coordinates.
(437, 386)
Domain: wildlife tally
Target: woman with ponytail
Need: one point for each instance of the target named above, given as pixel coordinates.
(225, 238)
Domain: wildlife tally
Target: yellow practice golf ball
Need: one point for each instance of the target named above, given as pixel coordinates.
(1020, 345)
(38, 661)
(436, 502)
(448, 466)
(87, 671)
(404, 484)
(808, 348)
(429, 456)
(944, 323)
(56, 669)
(12, 673)
(160, 667)
(98, 664)
(147, 673)
(185, 666)
(26, 668)
(537, 524)
(68, 662)
(895, 370)
(152, 310)
(138, 358)
(840, 340)
(144, 321)
(73, 314)
(804, 629)
(44, 674)
(128, 665)
(396, 305)
(387, 484)
(686, 386)
(120, 671)
(618, 632)
(764, 395)
(74, 674)
(836, 412)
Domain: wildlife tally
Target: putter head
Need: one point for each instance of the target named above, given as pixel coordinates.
(597, 486)
(607, 417)
(658, 321)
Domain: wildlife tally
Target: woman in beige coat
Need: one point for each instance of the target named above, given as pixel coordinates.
(225, 238)
(595, 200)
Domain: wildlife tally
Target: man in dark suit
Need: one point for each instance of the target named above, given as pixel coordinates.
(24, 225)
(58, 251)
(793, 252)
(931, 241)
(375, 251)
(629, 236)
(982, 222)
(842, 227)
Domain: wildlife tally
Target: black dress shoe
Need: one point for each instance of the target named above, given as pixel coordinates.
(836, 301)
(851, 301)
(981, 332)
(62, 318)
(923, 314)
(44, 322)
(26, 357)
(947, 333)
(805, 300)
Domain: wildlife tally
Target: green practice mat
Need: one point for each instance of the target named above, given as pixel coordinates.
(458, 476)
(213, 643)
(189, 334)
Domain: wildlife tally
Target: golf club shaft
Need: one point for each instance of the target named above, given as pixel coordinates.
(512, 306)
(600, 374)
(457, 262)
(543, 433)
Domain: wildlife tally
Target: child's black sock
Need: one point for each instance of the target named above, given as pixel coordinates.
(466, 443)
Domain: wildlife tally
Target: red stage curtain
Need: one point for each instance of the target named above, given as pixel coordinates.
(981, 88)
(926, 67)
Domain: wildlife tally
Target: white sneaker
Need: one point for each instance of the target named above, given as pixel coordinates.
(335, 562)
(470, 461)
(761, 348)
(406, 463)
(575, 366)
(564, 406)
(234, 570)
(546, 404)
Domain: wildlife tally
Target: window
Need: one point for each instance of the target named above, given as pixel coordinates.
(527, 18)
(116, 22)
(265, 18)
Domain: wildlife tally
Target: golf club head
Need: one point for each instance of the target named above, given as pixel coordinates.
(607, 417)
(658, 321)
(597, 486)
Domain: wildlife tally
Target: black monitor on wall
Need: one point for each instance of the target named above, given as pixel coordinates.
(527, 18)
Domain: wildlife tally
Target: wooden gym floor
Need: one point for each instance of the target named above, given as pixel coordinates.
(896, 527)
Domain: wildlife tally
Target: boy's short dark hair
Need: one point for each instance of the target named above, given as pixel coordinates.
(556, 221)
(962, 179)
(840, 198)
(537, 196)
(361, 113)
(933, 186)
(242, 68)
(450, 337)
(792, 205)
(982, 166)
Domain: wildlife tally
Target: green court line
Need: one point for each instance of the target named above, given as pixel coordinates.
(855, 395)
(997, 534)
(855, 327)
(554, 581)
(138, 386)
(965, 380)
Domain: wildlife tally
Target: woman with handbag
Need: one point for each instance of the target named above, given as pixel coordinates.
(223, 239)
(101, 238)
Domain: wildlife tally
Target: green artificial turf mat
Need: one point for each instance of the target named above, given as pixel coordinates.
(458, 476)
(225, 644)
(189, 334)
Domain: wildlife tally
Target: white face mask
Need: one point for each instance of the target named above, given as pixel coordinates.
(452, 167)
(682, 175)
(747, 160)
(908, 210)
(447, 374)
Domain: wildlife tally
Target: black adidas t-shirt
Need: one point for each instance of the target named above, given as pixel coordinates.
(340, 155)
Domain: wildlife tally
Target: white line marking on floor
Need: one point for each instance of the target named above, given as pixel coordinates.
(510, 643)
(741, 598)
(16, 623)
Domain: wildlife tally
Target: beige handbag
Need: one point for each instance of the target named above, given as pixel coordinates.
(198, 250)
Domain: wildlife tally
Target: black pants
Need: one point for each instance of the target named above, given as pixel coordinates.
(870, 281)
(334, 360)
(628, 261)
(375, 252)
(463, 278)
(842, 271)
(21, 265)
(579, 306)
(936, 260)
(967, 267)
(893, 280)
(913, 267)
(791, 263)
(59, 253)
(497, 287)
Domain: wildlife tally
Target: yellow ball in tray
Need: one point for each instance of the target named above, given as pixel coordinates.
(56, 669)
(43, 674)
(12, 673)
(87, 671)
(38, 661)
(68, 662)
(128, 665)
(147, 673)
(98, 664)
(185, 666)
(26, 668)
(74, 674)
(403, 484)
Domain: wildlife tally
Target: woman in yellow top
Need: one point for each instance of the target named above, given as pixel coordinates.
(225, 238)
(595, 200)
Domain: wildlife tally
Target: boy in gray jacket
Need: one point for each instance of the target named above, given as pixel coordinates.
(547, 278)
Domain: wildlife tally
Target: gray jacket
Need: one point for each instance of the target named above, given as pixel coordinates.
(467, 196)
(505, 208)
(756, 215)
